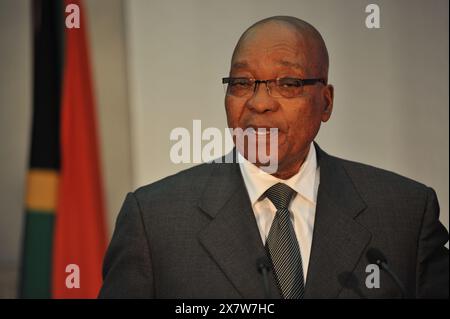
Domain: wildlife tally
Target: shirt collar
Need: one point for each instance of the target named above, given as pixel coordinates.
(257, 181)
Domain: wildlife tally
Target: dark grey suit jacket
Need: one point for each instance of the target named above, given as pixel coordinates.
(194, 235)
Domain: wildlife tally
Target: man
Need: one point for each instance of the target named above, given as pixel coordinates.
(308, 230)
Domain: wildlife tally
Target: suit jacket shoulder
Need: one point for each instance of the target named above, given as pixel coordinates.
(376, 184)
(187, 185)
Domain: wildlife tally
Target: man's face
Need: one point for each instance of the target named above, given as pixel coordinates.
(273, 51)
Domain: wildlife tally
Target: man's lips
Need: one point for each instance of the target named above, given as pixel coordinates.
(262, 129)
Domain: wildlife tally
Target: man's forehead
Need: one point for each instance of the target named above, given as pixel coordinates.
(279, 53)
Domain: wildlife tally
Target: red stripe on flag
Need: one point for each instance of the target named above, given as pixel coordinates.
(80, 236)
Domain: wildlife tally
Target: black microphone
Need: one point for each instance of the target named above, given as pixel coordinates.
(349, 280)
(374, 256)
(264, 267)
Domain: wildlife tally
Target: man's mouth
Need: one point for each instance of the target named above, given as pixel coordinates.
(264, 133)
(261, 130)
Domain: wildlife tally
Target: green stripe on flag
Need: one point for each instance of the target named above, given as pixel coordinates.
(37, 259)
(48, 49)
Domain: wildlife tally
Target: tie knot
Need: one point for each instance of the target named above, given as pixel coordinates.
(280, 195)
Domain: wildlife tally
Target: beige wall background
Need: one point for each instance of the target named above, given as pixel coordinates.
(15, 113)
(157, 65)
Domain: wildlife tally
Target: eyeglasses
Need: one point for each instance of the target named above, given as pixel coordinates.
(281, 87)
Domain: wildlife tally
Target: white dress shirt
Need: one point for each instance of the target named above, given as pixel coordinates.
(302, 207)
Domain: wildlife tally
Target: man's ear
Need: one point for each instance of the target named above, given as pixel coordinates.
(328, 95)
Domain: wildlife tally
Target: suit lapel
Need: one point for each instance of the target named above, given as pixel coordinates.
(338, 239)
(232, 237)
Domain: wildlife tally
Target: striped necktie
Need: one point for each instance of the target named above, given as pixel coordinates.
(282, 245)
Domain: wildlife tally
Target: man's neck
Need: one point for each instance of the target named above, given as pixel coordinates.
(290, 168)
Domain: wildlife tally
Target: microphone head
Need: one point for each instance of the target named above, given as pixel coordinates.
(374, 256)
(263, 263)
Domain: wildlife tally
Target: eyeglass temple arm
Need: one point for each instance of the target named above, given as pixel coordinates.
(313, 81)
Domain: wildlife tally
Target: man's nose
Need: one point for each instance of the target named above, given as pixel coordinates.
(261, 101)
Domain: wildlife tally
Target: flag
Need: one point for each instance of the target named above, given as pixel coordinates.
(64, 223)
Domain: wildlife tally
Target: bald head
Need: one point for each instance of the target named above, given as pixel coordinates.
(307, 37)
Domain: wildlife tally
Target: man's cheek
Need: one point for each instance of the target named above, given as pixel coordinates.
(231, 116)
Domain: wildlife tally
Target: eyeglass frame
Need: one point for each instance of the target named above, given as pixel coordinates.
(303, 82)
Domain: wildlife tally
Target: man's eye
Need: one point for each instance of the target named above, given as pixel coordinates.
(240, 83)
(289, 83)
